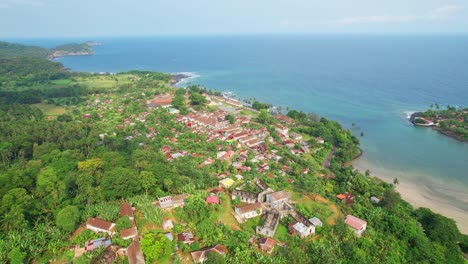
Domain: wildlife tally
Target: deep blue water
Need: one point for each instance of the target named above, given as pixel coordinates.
(372, 81)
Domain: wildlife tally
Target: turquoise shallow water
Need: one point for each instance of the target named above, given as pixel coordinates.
(372, 81)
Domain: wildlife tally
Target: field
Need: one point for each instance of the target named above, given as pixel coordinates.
(105, 81)
(51, 110)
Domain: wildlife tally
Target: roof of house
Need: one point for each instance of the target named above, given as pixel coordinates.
(212, 199)
(169, 236)
(134, 254)
(129, 232)
(161, 101)
(245, 194)
(186, 237)
(168, 224)
(101, 224)
(315, 221)
(279, 195)
(179, 198)
(249, 208)
(300, 227)
(200, 255)
(354, 222)
(284, 118)
(126, 209)
(340, 196)
(267, 242)
(227, 182)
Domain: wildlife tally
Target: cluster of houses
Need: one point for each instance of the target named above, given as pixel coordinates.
(273, 206)
(171, 202)
(215, 125)
(107, 229)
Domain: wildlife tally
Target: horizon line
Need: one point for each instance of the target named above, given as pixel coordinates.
(247, 34)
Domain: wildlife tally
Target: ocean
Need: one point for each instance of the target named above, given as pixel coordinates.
(372, 81)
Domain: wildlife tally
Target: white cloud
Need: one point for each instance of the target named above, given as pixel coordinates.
(445, 12)
(374, 19)
(441, 13)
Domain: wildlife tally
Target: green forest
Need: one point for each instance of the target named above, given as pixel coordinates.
(77, 145)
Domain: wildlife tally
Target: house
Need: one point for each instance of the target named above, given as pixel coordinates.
(270, 223)
(295, 136)
(201, 255)
(266, 244)
(254, 143)
(100, 226)
(319, 140)
(100, 242)
(316, 222)
(249, 211)
(226, 183)
(164, 100)
(167, 224)
(129, 233)
(261, 184)
(244, 196)
(134, 254)
(301, 229)
(357, 224)
(169, 236)
(374, 200)
(173, 111)
(212, 200)
(281, 129)
(127, 210)
(348, 196)
(171, 202)
(186, 238)
(276, 199)
(284, 119)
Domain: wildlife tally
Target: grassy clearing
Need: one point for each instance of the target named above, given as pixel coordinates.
(225, 215)
(51, 110)
(62, 82)
(319, 207)
(282, 233)
(251, 225)
(249, 113)
(105, 81)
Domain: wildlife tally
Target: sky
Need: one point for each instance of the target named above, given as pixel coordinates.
(102, 18)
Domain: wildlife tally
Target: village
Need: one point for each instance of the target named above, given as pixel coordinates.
(251, 151)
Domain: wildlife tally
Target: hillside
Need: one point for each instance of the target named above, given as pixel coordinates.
(17, 50)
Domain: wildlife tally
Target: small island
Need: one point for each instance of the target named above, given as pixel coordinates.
(73, 49)
(452, 121)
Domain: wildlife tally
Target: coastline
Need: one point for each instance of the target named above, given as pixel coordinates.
(179, 78)
(415, 194)
(420, 195)
(436, 128)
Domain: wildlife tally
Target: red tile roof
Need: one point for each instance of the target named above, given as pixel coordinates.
(126, 209)
(101, 224)
(129, 232)
(354, 222)
(200, 256)
(212, 199)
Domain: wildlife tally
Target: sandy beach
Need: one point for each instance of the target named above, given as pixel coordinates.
(418, 194)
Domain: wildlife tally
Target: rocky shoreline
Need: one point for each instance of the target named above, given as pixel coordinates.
(62, 53)
(178, 77)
